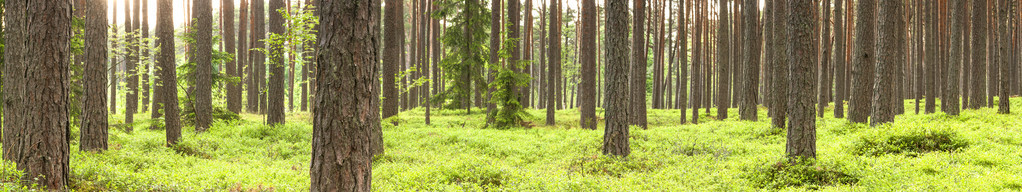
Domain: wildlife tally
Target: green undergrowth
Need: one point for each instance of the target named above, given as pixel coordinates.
(976, 151)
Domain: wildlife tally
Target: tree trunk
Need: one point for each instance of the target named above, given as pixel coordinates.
(931, 57)
(94, 115)
(779, 106)
(1004, 90)
(979, 57)
(637, 78)
(723, 58)
(203, 48)
(36, 120)
(587, 96)
(275, 102)
(144, 53)
(553, 62)
(752, 47)
(684, 57)
(258, 57)
(168, 76)
(957, 24)
(131, 63)
(864, 62)
(890, 43)
(802, 51)
(825, 81)
(839, 59)
(114, 65)
(697, 58)
(394, 27)
(341, 144)
(615, 137)
(244, 57)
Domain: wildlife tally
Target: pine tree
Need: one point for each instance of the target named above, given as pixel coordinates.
(801, 22)
(637, 81)
(203, 49)
(587, 90)
(957, 54)
(752, 48)
(863, 62)
(979, 57)
(275, 93)
(94, 114)
(233, 69)
(723, 66)
(340, 92)
(779, 105)
(890, 42)
(393, 40)
(615, 137)
(839, 59)
(554, 62)
(168, 76)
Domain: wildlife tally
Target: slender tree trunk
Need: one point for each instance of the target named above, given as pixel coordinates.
(144, 53)
(258, 57)
(779, 107)
(825, 81)
(637, 77)
(588, 68)
(958, 18)
(684, 57)
(341, 144)
(802, 125)
(1004, 90)
(275, 102)
(931, 57)
(615, 137)
(554, 62)
(979, 57)
(839, 59)
(233, 67)
(94, 115)
(723, 66)
(114, 64)
(131, 62)
(394, 27)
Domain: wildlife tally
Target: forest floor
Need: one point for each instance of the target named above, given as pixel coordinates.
(977, 151)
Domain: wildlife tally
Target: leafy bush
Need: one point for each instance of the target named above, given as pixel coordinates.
(612, 166)
(804, 173)
(911, 144)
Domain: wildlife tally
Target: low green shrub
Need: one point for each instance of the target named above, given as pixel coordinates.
(911, 143)
(612, 166)
(807, 174)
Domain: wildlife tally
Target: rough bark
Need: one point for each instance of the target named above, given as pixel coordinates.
(779, 106)
(752, 47)
(94, 114)
(684, 57)
(495, 27)
(587, 95)
(245, 35)
(697, 58)
(957, 40)
(883, 90)
(202, 13)
(392, 42)
(1003, 81)
(37, 86)
(801, 22)
(275, 93)
(615, 136)
(637, 81)
(979, 57)
(864, 62)
(168, 76)
(346, 83)
(931, 65)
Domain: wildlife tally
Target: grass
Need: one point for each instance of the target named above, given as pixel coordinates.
(976, 151)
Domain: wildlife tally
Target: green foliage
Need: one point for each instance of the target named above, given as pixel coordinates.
(186, 81)
(911, 143)
(805, 173)
(465, 50)
(508, 80)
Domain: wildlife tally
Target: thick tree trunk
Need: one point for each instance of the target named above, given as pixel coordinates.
(864, 62)
(495, 28)
(1003, 81)
(94, 115)
(697, 58)
(203, 48)
(637, 76)
(753, 44)
(890, 42)
(346, 80)
(168, 76)
(275, 102)
(931, 57)
(615, 136)
(802, 51)
(36, 120)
